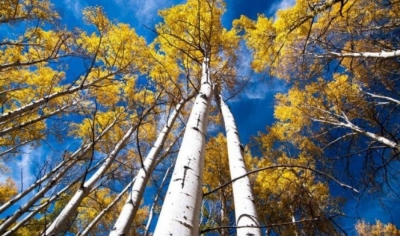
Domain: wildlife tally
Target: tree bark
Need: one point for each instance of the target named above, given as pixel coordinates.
(63, 167)
(152, 210)
(61, 222)
(382, 54)
(132, 204)
(245, 210)
(181, 209)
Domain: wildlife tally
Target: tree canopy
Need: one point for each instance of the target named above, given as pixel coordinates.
(103, 127)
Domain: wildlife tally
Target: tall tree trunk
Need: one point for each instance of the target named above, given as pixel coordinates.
(224, 213)
(93, 223)
(132, 204)
(53, 178)
(61, 222)
(152, 208)
(245, 210)
(42, 206)
(181, 209)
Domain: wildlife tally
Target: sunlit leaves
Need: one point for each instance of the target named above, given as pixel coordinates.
(16, 10)
(118, 48)
(7, 190)
(365, 229)
(96, 16)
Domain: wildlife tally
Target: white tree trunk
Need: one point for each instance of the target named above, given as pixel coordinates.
(64, 166)
(37, 119)
(181, 209)
(42, 206)
(61, 222)
(90, 226)
(151, 211)
(245, 210)
(132, 204)
(382, 54)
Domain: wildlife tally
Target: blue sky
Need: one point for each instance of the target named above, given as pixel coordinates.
(253, 109)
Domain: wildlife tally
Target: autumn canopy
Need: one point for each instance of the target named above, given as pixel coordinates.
(105, 132)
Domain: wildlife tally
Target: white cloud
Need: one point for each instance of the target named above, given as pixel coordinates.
(260, 89)
(75, 6)
(284, 4)
(146, 11)
(259, 85)
(24, 167)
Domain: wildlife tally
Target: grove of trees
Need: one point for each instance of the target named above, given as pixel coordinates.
(137, 138)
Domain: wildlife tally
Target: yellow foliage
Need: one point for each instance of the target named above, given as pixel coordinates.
(322, 100)
(148, 132)
(16, 10)
(377, 229)
(188, 33)
(257, 33)
(96, 16)
(92, 127)
(117, 46)
(216, 167)
(7, 190)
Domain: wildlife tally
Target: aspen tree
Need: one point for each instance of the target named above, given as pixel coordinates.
(52, 178)
(132, 204)
(60, 222)
(245, 209)
(181, 208)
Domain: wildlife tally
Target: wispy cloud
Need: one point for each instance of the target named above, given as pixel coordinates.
(284, 4)
(75, 6)
(259, 86)
(24, 167)
(145, 12)
(260, 89)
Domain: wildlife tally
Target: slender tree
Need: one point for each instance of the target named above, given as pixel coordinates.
(193, 30)
(186, 183)
(132, 204)
(245, 209)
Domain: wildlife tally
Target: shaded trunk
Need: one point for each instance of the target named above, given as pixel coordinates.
(151, 214)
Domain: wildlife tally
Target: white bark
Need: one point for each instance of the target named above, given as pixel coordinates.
(181, 209)
(90, 226)
(61, 222)
(132, 204)
(348, 124)
(52, 182)
(382, 54)
(42, 206)
(63, 167)
(383, 97)
(245, 210)
(30, 106)
(151, 214)
(385, 141)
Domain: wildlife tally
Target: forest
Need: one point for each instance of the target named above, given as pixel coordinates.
(111, 126)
